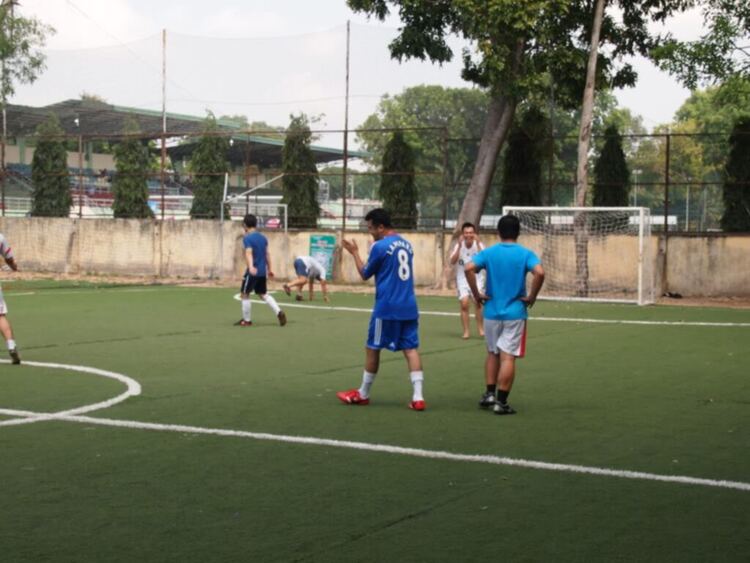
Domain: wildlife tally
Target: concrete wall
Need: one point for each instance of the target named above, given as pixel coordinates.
(696, 266)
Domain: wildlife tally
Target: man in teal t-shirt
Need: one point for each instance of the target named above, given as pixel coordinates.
(505, 312)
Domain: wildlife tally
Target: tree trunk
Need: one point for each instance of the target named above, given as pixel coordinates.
(580, 233)
(499, 121)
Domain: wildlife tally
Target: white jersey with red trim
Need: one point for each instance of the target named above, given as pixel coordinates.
(465, 254)
(5, 250)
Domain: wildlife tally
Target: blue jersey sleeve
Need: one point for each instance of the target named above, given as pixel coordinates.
(532, 260)
(480, 260)
(374, 261)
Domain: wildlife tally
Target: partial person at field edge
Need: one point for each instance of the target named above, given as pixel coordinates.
(5, 328)
(506, 308)
(394, 324)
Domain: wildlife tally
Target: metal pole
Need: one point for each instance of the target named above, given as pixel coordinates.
(2, 156)
(641, 245)
(163, 117)
(687, 209)
(445, 178)
(80, 175)
(665, 277)
(5, 5)
(346, 136)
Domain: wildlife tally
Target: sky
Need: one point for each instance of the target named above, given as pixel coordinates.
(259, 58)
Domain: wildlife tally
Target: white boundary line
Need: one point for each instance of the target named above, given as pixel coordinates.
(133, 389)
(435, 313)
(554, 319)
(411, 452)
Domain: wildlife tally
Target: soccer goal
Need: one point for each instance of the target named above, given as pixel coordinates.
(591, 253)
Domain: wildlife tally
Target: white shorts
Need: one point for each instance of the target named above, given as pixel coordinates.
(3, 306)
(463, 289)
(506, 336)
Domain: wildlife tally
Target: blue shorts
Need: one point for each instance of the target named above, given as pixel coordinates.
(393, 335)
(299, 268)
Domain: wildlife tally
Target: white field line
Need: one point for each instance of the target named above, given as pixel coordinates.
(133, 389)
(73, 291)
(411, 452)
(554, 319)
(423, 313)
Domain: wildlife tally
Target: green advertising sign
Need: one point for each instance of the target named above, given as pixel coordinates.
(322, 248)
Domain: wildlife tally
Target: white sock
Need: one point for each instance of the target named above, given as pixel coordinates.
(417, 377)
(246, 306)
(367, 379)
(11, 344)
(272, 303)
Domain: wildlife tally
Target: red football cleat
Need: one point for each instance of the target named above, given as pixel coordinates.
(352, 397)
(417, 405)
(287, 289)
(243, 322)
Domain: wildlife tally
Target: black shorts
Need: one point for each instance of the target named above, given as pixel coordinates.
(253, 283)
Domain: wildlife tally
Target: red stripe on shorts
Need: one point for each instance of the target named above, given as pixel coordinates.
(522, 350)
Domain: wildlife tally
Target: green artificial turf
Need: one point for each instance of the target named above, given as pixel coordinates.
(661, 399)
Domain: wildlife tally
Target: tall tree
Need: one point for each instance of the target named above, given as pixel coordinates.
(587, 107)
(21, 60)
(736, 217)
(49, 172)
(612, 177)
(208, 165)
(130, 185)
(441, 125)
(397, 186)
(300, 181)
(21, 43)
(522, 165)
(520, 47)
(721, 53)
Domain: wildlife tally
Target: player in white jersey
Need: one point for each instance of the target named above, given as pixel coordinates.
(467, 247)
(5, 327)
(308, 269)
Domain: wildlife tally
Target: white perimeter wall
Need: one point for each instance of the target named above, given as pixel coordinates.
(196, 249)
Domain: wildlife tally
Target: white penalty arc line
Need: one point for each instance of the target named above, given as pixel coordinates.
(411, 452)
(553, 319)
(133, 388)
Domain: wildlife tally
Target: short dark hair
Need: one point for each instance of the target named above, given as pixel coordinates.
(379, 217)
(467, 225)
(250, 221)
(509, 227)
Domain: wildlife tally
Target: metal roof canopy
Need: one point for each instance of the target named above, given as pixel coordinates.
(92, 119)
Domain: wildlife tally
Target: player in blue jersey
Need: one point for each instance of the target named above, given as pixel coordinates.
(258, 260)
(394, 324)
(505, 311)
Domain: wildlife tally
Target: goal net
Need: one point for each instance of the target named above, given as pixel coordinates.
(591, 253)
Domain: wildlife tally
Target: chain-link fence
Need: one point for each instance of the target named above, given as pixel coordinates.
(679, 177)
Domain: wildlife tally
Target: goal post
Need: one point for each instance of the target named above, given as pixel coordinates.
(592, 254)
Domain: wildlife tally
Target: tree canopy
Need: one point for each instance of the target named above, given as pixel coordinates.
(21, 43)
(397, 186)
(721, 53)
(208, 165)
(300, 181)
(130, 185)
(50, 196)
(736, 217)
